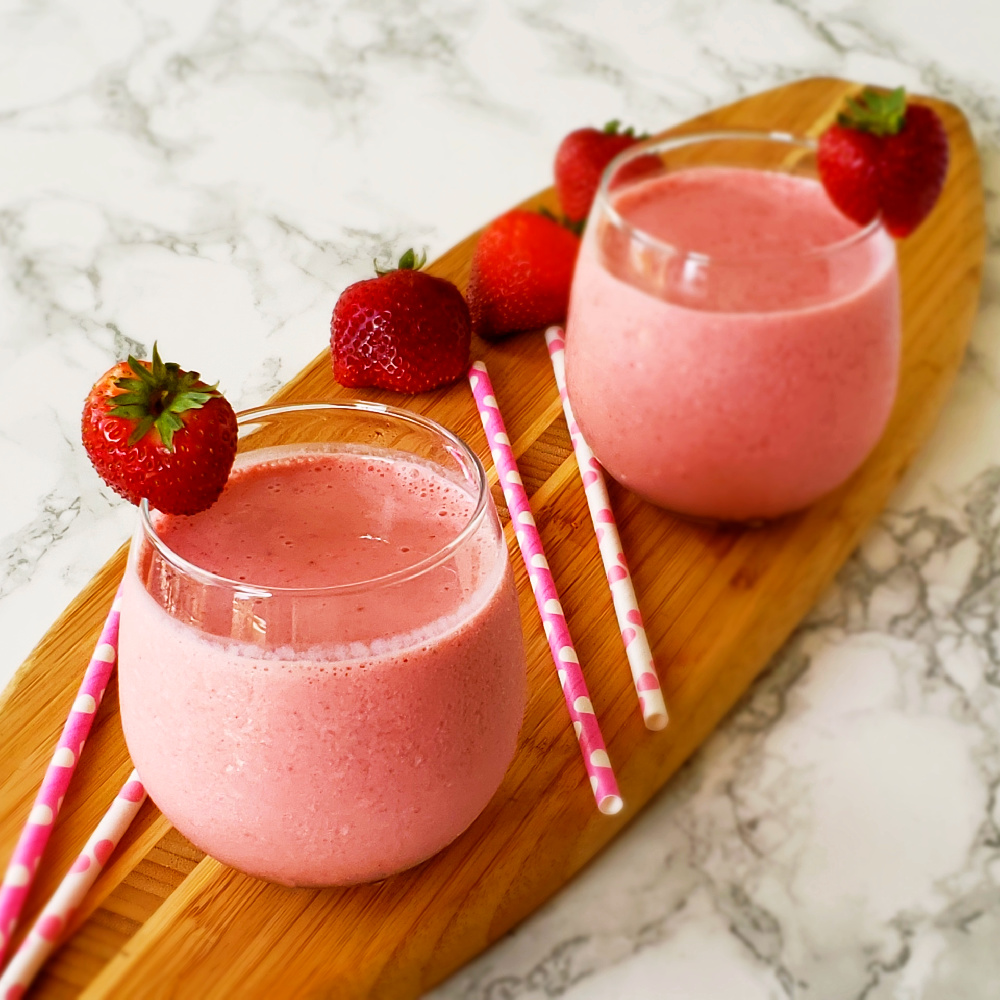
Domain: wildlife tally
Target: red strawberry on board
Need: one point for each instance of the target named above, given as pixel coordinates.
(521, 273)
(403, 330)
(884, 155)
(580, 162)
(156, 431)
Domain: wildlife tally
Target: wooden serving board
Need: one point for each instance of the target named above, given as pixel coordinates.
(166, 921)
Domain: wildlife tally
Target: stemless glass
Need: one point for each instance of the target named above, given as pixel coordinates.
(742, 383)
(343, 730)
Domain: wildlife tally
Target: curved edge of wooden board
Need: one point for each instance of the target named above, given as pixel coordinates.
(487, 881)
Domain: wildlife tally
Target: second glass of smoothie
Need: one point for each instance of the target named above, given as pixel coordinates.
(322, 676)
(733, 341)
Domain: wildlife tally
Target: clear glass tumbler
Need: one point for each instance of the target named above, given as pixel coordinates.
(733, 341)
(322, 677)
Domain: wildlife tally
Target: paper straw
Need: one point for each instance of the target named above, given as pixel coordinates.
(44, 935)
(34, 837)
(581, 709)
(640, 656)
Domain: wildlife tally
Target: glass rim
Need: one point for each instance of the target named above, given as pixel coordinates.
(602, 201)
(249, 589)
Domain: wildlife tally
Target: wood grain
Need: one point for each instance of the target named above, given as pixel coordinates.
(164, 921)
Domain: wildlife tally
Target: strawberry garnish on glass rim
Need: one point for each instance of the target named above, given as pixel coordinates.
(884, 156)
(153, 430)
(157, 395)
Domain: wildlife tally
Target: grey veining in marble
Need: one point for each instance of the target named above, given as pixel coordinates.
(210, 175)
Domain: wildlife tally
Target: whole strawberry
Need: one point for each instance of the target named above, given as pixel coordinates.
(580, 161)
(521, 273)
(884, 155)
(403, 330)
(156, 431)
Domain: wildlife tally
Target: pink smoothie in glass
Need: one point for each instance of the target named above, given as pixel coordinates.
(347, 736)
(749, 370)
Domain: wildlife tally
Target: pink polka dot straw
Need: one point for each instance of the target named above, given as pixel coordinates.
(640, 656)
(34, 837)
(44, 936)
(581, 710)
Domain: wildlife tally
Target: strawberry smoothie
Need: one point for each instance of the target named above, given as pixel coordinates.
(732, 341)
(350, 701)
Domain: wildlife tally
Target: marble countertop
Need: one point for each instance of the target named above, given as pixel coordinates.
(212, 175)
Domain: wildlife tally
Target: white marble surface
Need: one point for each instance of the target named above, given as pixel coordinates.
(212, 174)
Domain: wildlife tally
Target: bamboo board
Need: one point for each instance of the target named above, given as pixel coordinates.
(165, 921)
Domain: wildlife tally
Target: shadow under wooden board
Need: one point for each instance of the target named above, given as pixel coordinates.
(165, 921)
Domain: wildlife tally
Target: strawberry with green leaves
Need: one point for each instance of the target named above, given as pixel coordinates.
(521, 273)
(885, 155)
(404, 330)
(153, 430)
(580, 162)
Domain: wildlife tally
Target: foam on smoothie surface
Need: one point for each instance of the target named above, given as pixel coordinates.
(721, 212)
(322, 519)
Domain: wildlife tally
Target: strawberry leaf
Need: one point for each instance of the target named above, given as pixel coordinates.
(130, 411)
(166, 424)
(614, 127)
(141, 428)
(125, 398)
(189, 401)
(408, 262)
(875, 112)
(411, 262)
(145, 376)
(154, 398)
